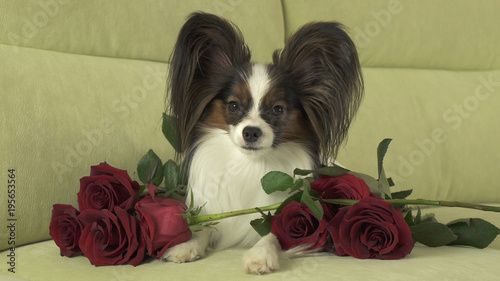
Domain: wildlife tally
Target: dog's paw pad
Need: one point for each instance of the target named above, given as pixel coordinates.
(260, 260)
(185, 252)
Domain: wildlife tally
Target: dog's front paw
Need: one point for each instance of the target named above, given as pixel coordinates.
(260, 260)
(185, 252)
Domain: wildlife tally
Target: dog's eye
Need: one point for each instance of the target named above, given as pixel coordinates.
(233, 106)
(278, 110)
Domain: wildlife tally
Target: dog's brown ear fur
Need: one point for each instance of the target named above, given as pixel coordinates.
(206, 47)
(323, 65)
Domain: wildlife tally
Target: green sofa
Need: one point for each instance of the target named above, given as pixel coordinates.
(84, 81)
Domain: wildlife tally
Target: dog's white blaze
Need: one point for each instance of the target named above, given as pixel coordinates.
(258, 83)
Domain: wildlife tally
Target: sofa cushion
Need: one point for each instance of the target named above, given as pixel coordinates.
(62, 113)
(444, 130)
(446, 34)
(41, 261)
(145, 29)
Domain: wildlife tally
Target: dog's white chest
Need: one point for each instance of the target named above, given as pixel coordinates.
(228, 179)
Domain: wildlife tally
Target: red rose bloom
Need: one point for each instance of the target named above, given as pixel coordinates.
(111, 238)
(161, 224)
(107, 187)
(346, 186)
(371, 228)
(65, 229)
(297, 225)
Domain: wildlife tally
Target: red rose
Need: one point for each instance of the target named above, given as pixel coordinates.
(65, 229)
(346, 186)
(111, 238)
(371, 228)
(161, 225)
(297, 225)
(107, 187)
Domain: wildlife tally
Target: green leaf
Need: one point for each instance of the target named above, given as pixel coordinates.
(149, 169)
(418, 217)
(383, 183)
(312, 204)
(262, 225)
(370, 181)
(191, 202)
(276, 181)
(473, 232)
(409, 218)
(143, 189)
(301, 172)
(294, 197)
(168, 129)
(432, 234)
(177, 194)
(170, 172)
(381, 150)
(333, 171)
(298, 184)
(192, 211)
(390, 181)
(401, 194)
(200, 227)
(314, 193)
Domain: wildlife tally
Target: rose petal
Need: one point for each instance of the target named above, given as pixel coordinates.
(297, 225)
(107, 187)
(371, 228)
(65, 229)
(105, 169)
(160, 223)
(111, 238)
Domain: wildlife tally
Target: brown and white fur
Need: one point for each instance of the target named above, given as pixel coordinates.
(238, 120)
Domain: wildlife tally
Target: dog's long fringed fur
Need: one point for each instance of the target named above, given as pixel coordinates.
(238, 120)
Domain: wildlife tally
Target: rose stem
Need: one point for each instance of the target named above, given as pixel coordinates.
(214, 217)
(349, 202)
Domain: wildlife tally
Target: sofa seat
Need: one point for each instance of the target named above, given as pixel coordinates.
(41, 261)
(424, 263)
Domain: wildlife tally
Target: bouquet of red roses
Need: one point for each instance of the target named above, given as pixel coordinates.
(112, 226)
(343, 212)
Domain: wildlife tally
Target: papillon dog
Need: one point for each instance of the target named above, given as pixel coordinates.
(238, 120)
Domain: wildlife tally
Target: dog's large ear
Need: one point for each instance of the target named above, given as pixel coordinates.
(206, 47)
(323, 66)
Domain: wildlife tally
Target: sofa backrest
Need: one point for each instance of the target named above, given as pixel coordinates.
(430, 34)
(432, 84)
(144, 30)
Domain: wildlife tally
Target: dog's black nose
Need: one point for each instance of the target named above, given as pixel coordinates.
(251, 134)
